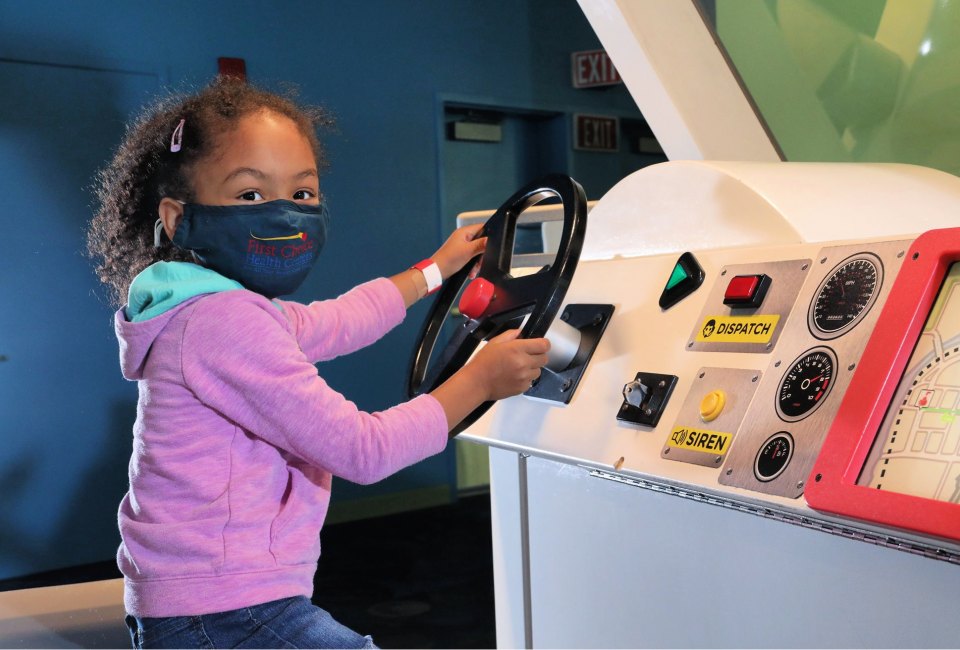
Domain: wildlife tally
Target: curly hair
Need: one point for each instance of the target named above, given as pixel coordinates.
(144, 170)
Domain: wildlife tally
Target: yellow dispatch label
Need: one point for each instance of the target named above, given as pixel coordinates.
(738, 329)
(715, 443)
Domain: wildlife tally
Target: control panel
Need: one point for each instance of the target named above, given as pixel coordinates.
(717, 371)
(731, 389)
(809, 369)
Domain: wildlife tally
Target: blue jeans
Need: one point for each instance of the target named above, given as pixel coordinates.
(287, 623)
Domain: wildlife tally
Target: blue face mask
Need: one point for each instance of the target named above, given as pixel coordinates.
(267, 247)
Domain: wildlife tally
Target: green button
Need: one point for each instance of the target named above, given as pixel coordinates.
(678, 276)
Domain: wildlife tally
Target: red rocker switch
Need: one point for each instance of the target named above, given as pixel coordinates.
(746, 291)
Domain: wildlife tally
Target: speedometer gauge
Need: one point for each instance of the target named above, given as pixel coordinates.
(845, 296)
(806, 384)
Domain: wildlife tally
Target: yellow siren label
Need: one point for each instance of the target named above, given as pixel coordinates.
(738, 329)
(709, 442)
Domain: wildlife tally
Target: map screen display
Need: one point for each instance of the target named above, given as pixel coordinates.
(916, 450)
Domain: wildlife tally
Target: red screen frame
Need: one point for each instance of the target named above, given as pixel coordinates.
(832, 486)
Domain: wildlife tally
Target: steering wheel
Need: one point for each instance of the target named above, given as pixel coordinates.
(495, 300)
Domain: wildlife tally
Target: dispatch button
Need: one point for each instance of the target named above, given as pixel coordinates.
(746, 290)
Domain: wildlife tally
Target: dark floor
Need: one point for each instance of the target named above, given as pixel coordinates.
(421, 579)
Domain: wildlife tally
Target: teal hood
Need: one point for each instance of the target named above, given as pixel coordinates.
(162, 286)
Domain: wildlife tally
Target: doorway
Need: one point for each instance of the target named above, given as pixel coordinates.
(487, 154)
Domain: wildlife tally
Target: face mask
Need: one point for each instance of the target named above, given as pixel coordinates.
(267, 247)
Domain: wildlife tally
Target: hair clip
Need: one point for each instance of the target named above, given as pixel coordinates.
(176, 140)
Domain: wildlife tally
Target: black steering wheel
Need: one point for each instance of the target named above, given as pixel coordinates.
(496, 301)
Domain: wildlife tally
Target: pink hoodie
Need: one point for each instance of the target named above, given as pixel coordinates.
(237, 437)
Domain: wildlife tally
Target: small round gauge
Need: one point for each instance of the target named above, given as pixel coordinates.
(773, 456)
(806, 384)
(845, 296)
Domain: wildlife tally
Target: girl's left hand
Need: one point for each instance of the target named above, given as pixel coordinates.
(459, 249)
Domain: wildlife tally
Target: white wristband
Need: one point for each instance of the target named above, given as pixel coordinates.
(431, 274)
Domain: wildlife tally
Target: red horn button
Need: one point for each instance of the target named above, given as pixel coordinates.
(476, 298)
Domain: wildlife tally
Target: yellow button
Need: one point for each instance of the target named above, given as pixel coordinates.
(712, 404)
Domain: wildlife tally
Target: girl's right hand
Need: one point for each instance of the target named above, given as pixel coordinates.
(461, 247)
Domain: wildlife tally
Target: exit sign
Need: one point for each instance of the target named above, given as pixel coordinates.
(595, 133)
(593, 68)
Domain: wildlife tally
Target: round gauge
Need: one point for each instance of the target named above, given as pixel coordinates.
(806, 384)
(845, 296)
(773, 456)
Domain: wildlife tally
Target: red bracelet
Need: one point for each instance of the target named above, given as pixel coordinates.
(431, 273)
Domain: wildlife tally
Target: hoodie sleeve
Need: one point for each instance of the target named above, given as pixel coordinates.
(328, 328)
(240, 358)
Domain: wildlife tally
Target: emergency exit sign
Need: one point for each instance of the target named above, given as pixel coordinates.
(593, 68)
(595, 133)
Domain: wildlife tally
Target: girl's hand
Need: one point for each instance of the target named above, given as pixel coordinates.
(507, 365)
(459, 249)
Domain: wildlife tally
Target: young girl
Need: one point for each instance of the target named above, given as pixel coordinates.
(211, 209)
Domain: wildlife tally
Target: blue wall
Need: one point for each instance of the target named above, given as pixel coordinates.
(383, 67)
